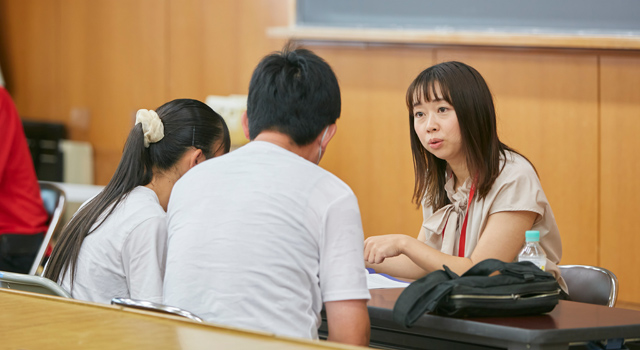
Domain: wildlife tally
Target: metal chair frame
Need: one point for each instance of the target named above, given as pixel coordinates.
(150, 306)
(54, 223)
(613, 280)
(30, 283)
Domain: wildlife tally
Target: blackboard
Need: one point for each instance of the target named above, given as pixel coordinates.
(579, 17)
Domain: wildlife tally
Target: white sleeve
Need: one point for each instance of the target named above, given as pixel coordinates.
(143, 256)
(342, 274)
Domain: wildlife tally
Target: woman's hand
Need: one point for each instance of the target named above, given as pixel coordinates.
(378, 248)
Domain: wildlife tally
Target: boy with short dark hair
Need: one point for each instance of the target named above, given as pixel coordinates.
(262, 237)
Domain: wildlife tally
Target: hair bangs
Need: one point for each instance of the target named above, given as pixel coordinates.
(428, 87)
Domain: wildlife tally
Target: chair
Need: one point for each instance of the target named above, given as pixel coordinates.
(29, 283)
(150, 306)
(590, 284)
(54, 200)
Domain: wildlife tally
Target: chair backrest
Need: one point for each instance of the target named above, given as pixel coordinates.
(29, 283)
(55, 201)
(150, 306)
(590, 284)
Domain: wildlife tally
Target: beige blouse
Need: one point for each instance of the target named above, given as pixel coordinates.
(517, 188)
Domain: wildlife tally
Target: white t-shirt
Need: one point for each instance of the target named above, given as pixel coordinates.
(260, 238)
(125, 256)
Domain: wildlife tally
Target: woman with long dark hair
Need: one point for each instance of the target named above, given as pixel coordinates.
(478, 195)
(115, 245)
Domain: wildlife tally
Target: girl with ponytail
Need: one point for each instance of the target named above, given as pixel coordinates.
(115, 245)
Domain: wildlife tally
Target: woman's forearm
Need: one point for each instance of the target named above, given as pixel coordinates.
(399, 266)
(429, 259)
(407, 257)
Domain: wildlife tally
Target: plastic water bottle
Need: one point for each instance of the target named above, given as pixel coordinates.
(532, 250)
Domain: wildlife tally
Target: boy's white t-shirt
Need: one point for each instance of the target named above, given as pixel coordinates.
(125, 256)
(260, 238)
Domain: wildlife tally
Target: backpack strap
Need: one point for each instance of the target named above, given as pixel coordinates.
(422, 296)
(524, 270)
(486, 267)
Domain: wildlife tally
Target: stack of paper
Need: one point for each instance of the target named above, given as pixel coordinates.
(381, 280)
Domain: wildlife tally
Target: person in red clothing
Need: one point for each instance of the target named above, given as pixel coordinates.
(23, 219)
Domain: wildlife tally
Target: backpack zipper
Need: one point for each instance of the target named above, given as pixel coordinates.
(505, 297)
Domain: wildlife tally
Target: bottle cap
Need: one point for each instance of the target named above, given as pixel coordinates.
(533, 236)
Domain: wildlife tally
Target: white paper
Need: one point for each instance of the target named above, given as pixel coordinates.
(379, 281)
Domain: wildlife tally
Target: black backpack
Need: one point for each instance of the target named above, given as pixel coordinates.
(521, 288)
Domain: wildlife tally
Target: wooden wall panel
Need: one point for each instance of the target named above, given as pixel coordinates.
(547, 107)
(214, 45)
(29, 34)
(113, 63)
(371, 151)
(92, 64)
(620, 124)
(252, 18)
(201, 48)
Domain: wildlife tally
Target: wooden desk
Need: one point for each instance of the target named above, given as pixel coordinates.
(33, 321)
(569, 322)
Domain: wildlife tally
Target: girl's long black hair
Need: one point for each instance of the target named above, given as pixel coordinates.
(187, 123)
